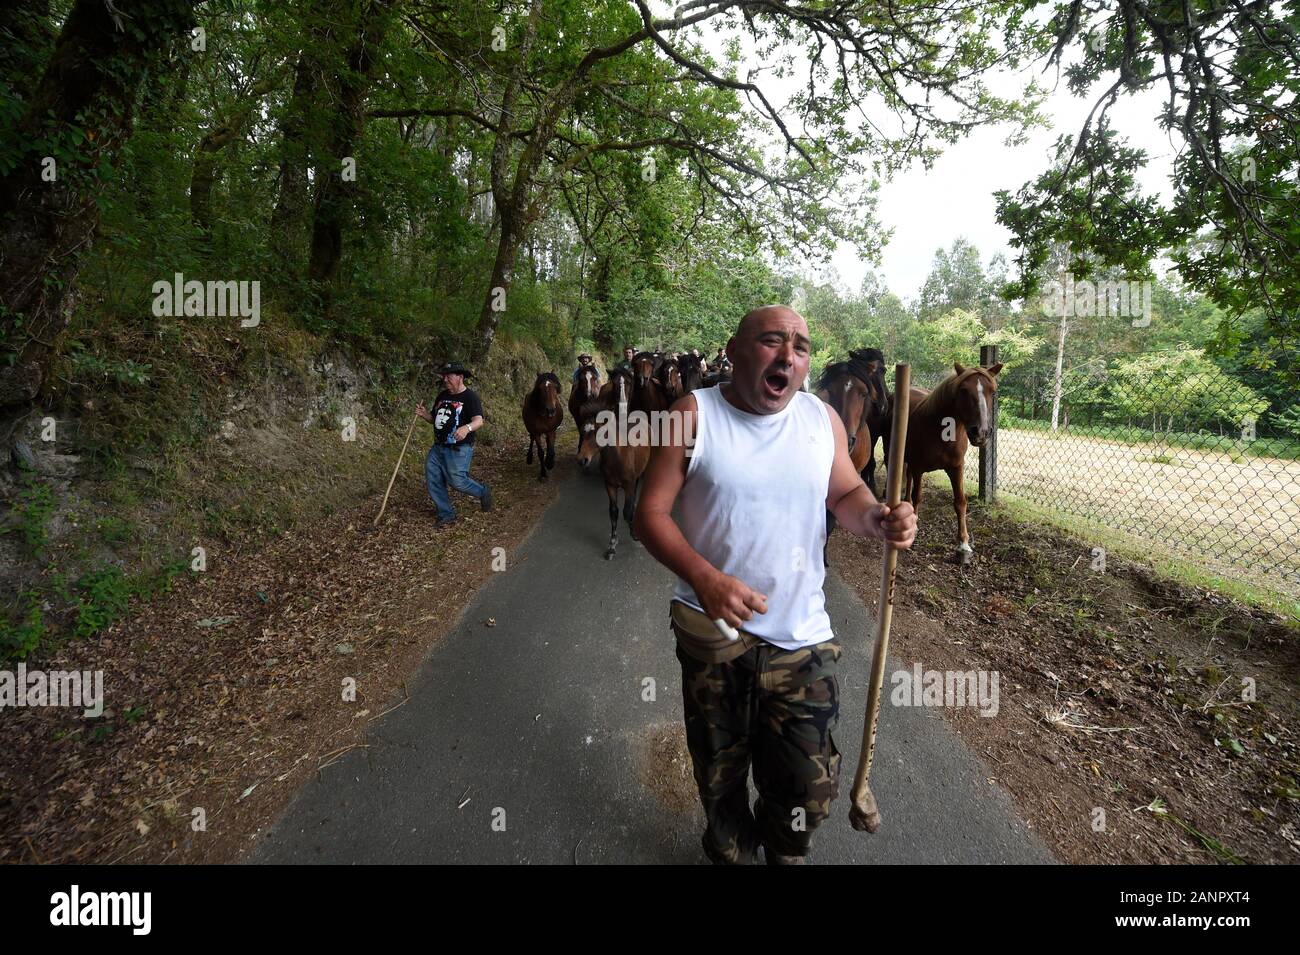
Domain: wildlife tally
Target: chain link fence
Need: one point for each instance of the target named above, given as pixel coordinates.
(1162, 449)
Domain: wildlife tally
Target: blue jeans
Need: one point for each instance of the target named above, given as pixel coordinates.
(449, 465)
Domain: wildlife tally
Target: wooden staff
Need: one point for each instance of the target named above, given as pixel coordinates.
(864, 813)
(409, 432)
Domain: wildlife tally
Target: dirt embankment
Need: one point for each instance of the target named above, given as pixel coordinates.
(1139, 722)
(226, 691)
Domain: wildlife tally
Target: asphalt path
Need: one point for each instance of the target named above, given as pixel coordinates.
(531, 741)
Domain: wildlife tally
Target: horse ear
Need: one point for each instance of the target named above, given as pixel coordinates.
(995, 369)
(958, 367)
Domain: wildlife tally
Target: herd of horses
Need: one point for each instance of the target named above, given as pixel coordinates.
(944, 422)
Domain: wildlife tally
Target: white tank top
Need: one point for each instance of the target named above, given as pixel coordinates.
(754, 506)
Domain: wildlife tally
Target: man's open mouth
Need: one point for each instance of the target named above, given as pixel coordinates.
(775, 383)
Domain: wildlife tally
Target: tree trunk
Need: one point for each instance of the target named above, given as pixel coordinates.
(94, 70)
(334, 194)
(1056, 379)
(217, 138)
(291, 202)
(502, 274)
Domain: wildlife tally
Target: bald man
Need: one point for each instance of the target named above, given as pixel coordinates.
(766, 461)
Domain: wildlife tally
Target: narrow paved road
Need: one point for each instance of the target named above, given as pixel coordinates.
(543, 716)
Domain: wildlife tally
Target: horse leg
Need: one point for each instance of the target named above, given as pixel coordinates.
(550, 449)
(631, 495)
(964, 550)
(869, 472)
(612, 491)
(531, 438)
(917, 479)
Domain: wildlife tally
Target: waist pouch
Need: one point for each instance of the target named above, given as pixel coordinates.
(700, 639)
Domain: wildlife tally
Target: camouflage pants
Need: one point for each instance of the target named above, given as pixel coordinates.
(775, 708)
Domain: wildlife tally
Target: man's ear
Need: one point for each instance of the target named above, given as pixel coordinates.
(958, 366)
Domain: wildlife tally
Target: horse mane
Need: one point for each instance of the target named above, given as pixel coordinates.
(833, 370)
(534, 396)
(661, 373)
(860, 360)
(942, 393)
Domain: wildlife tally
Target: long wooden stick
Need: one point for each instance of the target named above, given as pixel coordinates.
(396, 467)
(864, 814)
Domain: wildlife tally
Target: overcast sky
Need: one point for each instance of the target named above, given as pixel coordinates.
(929, 209)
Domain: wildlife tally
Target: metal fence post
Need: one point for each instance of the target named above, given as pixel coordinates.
(989, 453)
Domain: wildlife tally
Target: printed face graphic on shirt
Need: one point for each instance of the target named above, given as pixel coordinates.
(448, 411)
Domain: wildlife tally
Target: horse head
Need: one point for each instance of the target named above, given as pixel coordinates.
(588, 447)
(643, 367)
(546, 392)
(973, 400)
(670, 377)
(692, 377)
(847, 393)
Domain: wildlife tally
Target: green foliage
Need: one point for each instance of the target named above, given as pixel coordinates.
(17, 640)
(33, 510)
(1182, 384)
(102, 597)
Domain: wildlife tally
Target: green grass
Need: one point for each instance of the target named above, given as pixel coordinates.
(1285, 448)
(1161, 562)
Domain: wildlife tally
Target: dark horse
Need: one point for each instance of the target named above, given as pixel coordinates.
(669, 377)
(844, 387)
(621, 465)
(647, 395)
(692, 373)
(868, 365)
(542, 415)
(584, 390)
(942, 424)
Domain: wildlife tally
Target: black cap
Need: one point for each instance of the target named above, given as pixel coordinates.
(455, 368)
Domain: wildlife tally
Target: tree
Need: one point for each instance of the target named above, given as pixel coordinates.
(78, 116)
(1231, 75)
(582, 82)
(956, 281)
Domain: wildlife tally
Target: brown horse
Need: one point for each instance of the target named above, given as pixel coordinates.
(584, 389)
(621, 465)
(849, 396)
(542, 415)
(647, 395)
(942, 424)
(669, 377)
(869, 366)
(692, 373)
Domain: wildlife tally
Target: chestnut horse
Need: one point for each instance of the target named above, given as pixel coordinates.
(542, 415)
(621, 465)
(942, 424)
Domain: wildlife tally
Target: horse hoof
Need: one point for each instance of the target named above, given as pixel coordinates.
(964, 556)
(609, 555)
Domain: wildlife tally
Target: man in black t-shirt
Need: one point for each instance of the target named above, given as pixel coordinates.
(457, 414)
